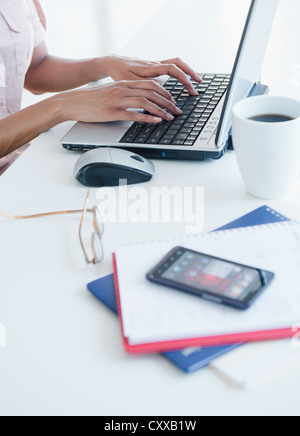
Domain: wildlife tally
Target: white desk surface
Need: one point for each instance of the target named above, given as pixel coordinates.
(64, 353)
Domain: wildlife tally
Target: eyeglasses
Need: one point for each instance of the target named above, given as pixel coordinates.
(96, 241)
(96, 238)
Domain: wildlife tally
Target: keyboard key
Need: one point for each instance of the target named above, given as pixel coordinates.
(178, 142)
(164, 141)
(148, 129)
(197, 112)
(172, 132)
(129, 139)
(152, 141)
(181, 99)
(188, 107)
(197, 129)
(132, 133)
(178, 123)
(185, 129)
(193, 119)
(141, 139)
(184, 116)
(144, 135)
(169, 136)
(192, 136)
(190, 124)
(183, 136)
(156, 136)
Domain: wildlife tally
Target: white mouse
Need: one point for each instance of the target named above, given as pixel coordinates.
(106, 166)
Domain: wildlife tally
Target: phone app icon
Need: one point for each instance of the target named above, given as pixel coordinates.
(193, 273)
(236, 292)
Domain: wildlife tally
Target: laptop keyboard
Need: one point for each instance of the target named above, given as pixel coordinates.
(186, 128)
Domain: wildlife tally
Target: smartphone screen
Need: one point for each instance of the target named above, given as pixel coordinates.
(212, 278)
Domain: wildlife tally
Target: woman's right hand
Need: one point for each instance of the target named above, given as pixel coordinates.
(111, 103)
(100, 104)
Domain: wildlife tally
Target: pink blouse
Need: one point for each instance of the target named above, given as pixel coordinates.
(20, 32)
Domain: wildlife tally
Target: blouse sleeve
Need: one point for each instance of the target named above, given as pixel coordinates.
(39, 31)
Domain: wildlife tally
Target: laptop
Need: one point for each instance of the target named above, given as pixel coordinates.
(202, 131)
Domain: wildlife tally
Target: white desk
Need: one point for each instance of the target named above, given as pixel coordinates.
(64, 352)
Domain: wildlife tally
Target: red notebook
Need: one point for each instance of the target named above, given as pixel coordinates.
(273, 317)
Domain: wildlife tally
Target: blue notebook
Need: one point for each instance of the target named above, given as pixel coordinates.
(190, 359)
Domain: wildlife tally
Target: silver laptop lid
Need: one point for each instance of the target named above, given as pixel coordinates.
(249, 60)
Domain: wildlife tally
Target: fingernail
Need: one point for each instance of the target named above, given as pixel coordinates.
(169, 117)
(179, 111)
(157, 120)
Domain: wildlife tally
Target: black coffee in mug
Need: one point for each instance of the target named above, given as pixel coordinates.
(271, 118)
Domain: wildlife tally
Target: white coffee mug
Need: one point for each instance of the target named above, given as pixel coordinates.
(268, 153)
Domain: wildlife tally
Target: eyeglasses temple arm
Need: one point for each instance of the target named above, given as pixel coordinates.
(41, 215)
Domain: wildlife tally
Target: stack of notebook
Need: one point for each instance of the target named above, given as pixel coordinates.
(203, 343)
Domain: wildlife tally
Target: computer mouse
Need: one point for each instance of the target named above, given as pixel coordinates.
(105, 167)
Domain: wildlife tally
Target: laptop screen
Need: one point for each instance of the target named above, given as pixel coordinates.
(249, 60)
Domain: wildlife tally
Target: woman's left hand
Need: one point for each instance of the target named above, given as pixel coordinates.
(123, 68)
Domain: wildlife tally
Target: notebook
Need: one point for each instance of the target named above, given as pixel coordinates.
(153, 319)
(190, 359)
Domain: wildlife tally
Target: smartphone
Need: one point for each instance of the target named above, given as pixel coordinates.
(214, 279)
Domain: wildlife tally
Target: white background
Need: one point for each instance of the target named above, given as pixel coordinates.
(94, 27)
(64, 352)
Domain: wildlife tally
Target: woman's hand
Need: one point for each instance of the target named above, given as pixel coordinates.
(123, 68)
(111, 103)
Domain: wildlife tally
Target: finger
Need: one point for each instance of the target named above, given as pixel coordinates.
(177, 73)
(148, 106)
(151, 85)
(124, 115)
(155, 98)
(185, 68)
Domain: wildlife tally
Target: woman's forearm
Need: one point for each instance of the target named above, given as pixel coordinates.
(54, 74)
(26, 125)
(104, 103)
